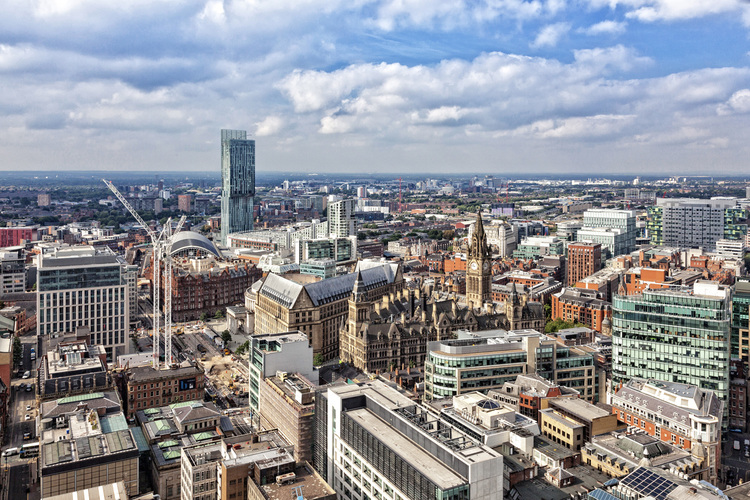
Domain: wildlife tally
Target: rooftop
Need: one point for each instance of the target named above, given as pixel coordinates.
(313, 486)
(579, 408)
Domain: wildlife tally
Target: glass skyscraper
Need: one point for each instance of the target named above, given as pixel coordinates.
(237, 182)
(678, 336)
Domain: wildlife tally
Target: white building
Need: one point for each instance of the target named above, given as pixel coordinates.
(373, 442)
(731, 249)
(617, 242)
(12, 270)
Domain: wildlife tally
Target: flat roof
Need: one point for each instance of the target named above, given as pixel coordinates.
(580, 408)
(425, 463)
(313, 486)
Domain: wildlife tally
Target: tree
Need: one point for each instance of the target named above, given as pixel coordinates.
(318, 359)
(242, 348)
(219, 314)
(204, 317)
(449, 234)
(226, 337)
(17, 350)
(547, 311)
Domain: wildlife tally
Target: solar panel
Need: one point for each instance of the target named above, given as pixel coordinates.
(648, 483)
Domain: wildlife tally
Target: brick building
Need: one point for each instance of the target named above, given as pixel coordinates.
(581, 306)
(584, 259)
(150, 388)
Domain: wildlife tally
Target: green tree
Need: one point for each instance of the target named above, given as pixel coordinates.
(318, 359)
(219, 314)
(226, 337)
(242, 348)
(547, 311)
(204, 317)
(17, 350)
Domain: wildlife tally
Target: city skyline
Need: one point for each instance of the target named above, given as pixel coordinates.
(543, 86)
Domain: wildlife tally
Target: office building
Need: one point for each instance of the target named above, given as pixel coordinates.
(614, 229)
(482, 361)
(681, 414)
(740, 319)
(199, 466)
(85, 442)
(237, 182)
(73, 367)
(275, 353)
(731, 249)
(572, 422)
(502, 236)
(373, 442)
(12, 270)
(675, 335)
(83, 286)
(584, 259)
(693, 223)
(534, 247)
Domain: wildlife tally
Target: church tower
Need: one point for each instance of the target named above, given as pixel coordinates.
(478, 267)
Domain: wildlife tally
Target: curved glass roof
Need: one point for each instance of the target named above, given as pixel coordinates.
(186, 240)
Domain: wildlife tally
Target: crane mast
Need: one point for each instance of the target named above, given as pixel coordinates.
(162, 249)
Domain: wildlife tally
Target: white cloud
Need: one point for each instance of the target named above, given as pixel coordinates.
(738, 103)
(605, 28)
(271, 125)
(550, 35)
(673, 10)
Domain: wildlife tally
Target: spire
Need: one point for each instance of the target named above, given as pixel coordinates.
(359, 294)
(478, 246)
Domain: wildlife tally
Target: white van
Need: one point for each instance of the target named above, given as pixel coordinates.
(10, 451)
(26, 374)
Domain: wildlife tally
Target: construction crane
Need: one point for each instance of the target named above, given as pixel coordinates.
(162, 250)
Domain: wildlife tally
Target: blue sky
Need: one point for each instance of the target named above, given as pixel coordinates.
(494, 86)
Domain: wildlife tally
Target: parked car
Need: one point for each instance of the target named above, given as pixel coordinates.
(28, 407)
(27, 417)
(26, 374)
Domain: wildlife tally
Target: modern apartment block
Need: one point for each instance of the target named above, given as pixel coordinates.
(693, 223)
(374, 442)
(584, 259)
(681, 414)
(341, 220)
(482, 361)
(237, 182)
(675, 335)
(84, 286)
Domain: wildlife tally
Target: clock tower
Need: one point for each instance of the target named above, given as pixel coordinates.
(478, 269)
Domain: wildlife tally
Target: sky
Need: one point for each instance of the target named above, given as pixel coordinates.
(378, 86)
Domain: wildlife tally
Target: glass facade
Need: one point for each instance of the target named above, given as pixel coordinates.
(237, 182)
(740, 317)
(672, 336)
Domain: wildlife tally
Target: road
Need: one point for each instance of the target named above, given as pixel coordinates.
(16, 471)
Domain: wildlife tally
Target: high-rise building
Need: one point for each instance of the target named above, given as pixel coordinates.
(185, 202)
(341, 220)
(674, 335)
(371, 438)
(692, 223)
(12, 270)
(237, 182)
(740, 316)
(83, 286)
(584, 259)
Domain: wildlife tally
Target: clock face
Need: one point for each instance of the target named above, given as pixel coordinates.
(486, 265)
(474, 266)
